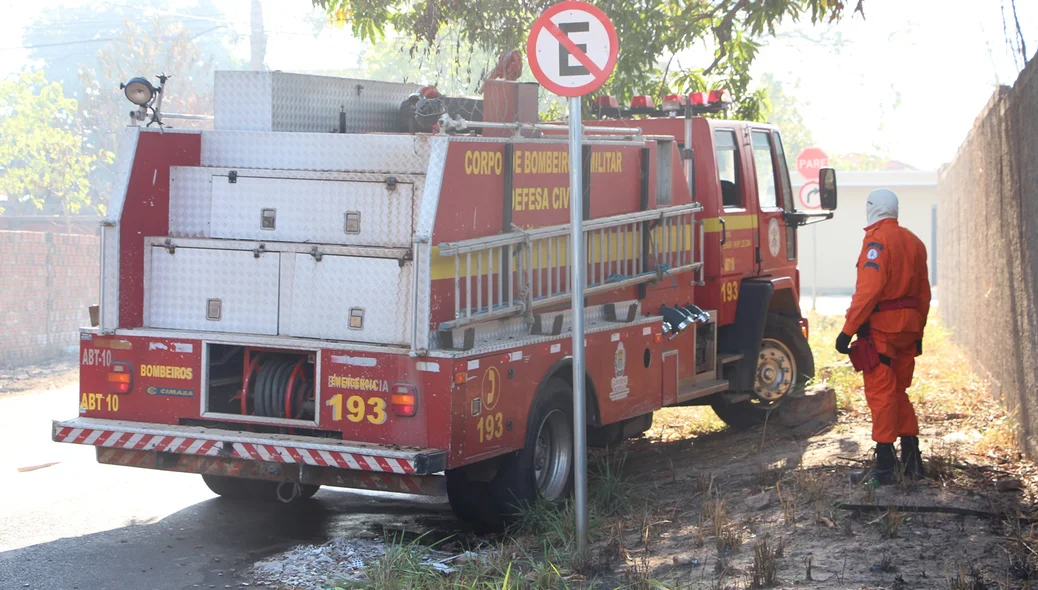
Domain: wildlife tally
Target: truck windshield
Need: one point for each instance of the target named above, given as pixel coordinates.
(727, 168)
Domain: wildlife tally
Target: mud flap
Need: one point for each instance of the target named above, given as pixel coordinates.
(745, 334)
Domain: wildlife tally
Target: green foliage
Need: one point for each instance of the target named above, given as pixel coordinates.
(654, 35)
(44, 164)
(130, 42)
(785, 113)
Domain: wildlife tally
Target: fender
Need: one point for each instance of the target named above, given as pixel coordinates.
(785, 300)
(563, 369)
(744, 335)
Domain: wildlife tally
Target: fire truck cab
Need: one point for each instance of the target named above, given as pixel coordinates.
(365, 284)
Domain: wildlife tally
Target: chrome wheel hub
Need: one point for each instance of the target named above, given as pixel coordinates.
(776, 371)
(553, 455)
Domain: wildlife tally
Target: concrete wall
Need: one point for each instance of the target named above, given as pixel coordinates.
(47, 283)
(988, 257)
(829, 250)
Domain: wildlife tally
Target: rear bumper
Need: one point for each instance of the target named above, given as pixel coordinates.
(248, 446)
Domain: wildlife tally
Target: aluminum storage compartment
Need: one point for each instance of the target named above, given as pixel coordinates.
(319, 298)
(353, 213)
(212, 290)
(281, 101)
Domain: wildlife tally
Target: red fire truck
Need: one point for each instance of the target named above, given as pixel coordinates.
(363, 284)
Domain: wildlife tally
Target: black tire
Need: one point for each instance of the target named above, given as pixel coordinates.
(781, 329)
(253, 490)
(470, 500)
(518, 483)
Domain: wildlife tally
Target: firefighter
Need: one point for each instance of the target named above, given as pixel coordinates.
(888, 314)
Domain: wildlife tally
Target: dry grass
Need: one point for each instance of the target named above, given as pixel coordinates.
(671, 424)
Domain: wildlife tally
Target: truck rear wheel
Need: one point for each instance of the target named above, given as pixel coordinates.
(543, 470)
(255, 490)
(784, 366)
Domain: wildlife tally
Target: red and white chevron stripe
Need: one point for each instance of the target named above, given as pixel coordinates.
(195, 445)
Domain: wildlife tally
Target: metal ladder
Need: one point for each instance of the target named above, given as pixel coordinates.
(525, 270)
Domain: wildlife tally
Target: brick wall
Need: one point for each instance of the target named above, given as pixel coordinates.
(47, 282)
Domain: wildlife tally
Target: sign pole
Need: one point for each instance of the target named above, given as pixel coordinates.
(572, 48)
(577, 256)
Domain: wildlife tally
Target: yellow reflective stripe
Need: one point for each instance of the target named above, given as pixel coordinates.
(443, 266)
(732, 223)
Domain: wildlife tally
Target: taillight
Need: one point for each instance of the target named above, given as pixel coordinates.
(120, 377)
(405, 400)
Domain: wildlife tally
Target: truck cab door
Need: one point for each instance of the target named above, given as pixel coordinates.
(735, 224)
(777, 253)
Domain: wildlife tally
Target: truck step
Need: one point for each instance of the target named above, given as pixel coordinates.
(689, 390)
(731, 357)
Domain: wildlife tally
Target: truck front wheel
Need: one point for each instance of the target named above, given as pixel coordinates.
(784, 366)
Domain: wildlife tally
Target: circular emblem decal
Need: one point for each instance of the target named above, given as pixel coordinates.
(774, 239)
(872, 254)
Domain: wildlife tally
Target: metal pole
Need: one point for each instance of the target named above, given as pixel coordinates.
(576, 240)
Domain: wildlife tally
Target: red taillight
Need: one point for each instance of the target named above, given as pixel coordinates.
(607, 102)
(120, 377)
(721, 96)
(405, 400)
(643, 101)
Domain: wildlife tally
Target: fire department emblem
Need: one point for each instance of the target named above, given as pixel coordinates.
(774, 239)
(619, 382)
(872, 254)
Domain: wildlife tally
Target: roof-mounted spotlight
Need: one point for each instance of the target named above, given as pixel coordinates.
(146, 97)
(139, 91)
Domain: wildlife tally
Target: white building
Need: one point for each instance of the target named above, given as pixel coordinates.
(829, 250)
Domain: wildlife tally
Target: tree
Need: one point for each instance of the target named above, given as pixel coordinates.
(127, 42)
(44, 165)
(784, 111)
(655, 34)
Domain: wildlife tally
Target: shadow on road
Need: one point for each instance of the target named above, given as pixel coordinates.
(208, 544)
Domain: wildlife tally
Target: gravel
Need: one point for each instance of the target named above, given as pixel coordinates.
(318, 567)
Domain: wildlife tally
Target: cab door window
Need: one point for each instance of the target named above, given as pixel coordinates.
(764, 163)
(727, 152)
(787, 188)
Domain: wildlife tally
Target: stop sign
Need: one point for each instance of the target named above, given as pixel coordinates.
(810, 161)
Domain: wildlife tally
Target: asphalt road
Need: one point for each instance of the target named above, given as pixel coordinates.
(67, 522)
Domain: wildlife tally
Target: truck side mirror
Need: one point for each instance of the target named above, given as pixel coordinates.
(827, 188)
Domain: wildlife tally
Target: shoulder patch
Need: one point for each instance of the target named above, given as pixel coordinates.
(876, 245)
(872, 254)
(872, 265)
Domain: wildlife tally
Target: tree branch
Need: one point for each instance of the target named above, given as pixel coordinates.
(930, 510)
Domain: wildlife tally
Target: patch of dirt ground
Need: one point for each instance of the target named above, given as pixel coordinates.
(53, 374)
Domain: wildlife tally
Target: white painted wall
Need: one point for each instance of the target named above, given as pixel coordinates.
(828, 250)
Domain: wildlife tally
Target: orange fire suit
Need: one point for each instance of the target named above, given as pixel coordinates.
(892, 266)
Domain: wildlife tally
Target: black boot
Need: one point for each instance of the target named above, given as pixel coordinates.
(882, 474)
(911, 457)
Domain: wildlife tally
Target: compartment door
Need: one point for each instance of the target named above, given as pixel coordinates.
(342, 212)
(212, 290)
(319, 298)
